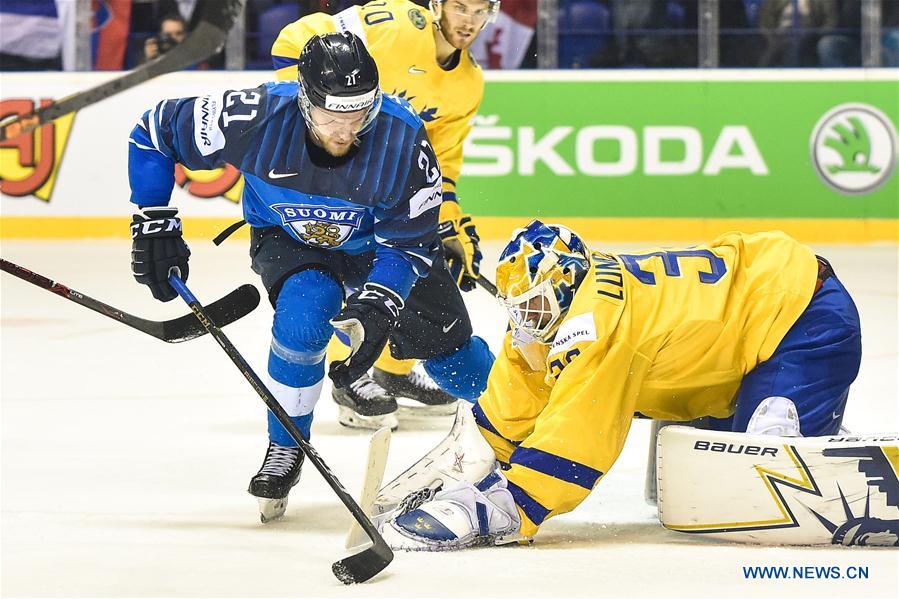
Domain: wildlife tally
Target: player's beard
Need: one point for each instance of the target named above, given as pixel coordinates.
(337, 149)
(334, 147)
(459, 37)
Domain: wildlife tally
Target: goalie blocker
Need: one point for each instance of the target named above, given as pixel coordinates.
(840, 490)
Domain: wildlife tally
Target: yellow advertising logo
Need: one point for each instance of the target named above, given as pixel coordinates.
(225, 182)
(29, 163)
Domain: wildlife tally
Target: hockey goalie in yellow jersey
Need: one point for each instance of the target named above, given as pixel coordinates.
(752, 330)
(422, 56)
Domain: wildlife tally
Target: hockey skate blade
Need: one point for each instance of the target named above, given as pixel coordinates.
(271, 509)
(411, 409)
(378, 448)
(349, 418)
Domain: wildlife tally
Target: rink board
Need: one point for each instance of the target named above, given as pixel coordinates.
(617, 155)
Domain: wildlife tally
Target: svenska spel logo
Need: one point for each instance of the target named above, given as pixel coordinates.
(853, 148)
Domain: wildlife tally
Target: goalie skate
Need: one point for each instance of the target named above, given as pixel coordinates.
(417, 395)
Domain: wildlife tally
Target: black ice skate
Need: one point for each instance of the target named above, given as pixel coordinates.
(365, 404)
(280, 471)
(417, 394)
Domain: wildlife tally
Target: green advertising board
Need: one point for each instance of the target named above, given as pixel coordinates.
(776, 144)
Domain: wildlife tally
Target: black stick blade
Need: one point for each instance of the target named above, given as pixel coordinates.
(362, 566)
(224, 311)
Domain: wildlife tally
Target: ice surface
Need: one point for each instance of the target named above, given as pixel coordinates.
(125, 461)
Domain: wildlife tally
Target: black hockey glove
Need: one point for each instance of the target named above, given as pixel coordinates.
(367, 319)
(156, 247)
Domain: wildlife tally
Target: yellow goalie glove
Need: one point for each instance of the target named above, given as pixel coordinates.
(461, 245)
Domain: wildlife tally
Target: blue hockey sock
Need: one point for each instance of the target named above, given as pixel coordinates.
(300, 333)
(278, 435)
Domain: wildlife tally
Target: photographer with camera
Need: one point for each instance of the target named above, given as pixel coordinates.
(172, 31)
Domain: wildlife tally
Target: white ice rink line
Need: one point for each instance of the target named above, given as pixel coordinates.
(125, 462)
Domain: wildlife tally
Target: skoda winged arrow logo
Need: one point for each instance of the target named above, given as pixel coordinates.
(853, 149)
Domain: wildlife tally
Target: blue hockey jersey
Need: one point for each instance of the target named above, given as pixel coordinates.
(383, 196)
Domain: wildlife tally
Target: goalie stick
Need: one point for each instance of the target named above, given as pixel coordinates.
(207, 39)
(378, 447)
(355, 568)
(487, 285)
(233, 306)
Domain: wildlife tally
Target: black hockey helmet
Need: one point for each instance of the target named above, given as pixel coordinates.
(337, 73)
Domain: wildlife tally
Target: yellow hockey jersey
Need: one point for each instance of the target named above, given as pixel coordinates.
(400, 37)
(668, 333)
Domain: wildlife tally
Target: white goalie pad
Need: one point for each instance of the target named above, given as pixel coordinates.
(463, 455)
(840, 490)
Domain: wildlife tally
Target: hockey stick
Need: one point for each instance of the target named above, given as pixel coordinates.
(483, 281)
(487, 285)
(354, 568)
(233, 306)
(207, 39)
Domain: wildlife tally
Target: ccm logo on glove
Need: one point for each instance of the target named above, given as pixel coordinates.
(156, 248)
(155, 227)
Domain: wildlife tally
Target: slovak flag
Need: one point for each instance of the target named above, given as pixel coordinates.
(503, 44)
(112, 22)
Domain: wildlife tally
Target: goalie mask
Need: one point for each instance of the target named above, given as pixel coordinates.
(337, 75)
(537, 276)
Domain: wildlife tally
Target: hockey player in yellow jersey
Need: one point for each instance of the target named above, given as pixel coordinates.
(422, 56)
(751, 330)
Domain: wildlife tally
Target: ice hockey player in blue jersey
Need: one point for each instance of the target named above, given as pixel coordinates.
(342, 193)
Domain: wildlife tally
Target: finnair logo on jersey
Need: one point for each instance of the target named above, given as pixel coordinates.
(321, 226)
(350, 103)
(208, 137)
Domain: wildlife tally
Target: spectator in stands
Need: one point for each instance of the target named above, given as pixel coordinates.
(842, 47)
(192, 11)
(635, 45)
(792, 29)
(172, 31)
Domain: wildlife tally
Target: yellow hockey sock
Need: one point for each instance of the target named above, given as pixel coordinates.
(390, 364)
(337, 350)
